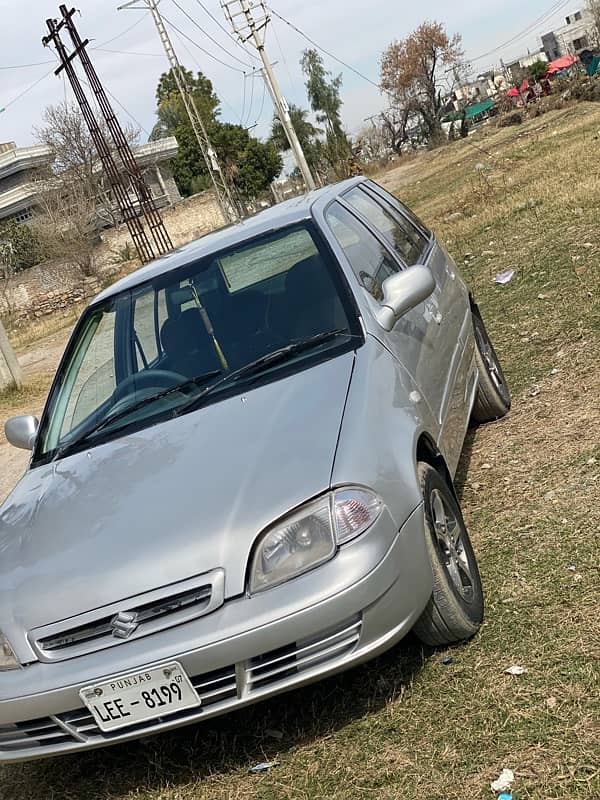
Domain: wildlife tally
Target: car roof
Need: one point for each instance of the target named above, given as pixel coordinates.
(278, 216)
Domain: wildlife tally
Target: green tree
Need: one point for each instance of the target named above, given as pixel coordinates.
(249, 165)
(170, 109)
(308, 136)
(537, 70)
(324, 97)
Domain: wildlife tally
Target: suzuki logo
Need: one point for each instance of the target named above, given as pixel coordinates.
(124, 624)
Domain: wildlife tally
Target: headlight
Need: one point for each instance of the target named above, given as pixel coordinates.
(8, 659)
(310, 536)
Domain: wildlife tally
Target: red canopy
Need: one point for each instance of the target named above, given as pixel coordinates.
(561, 63)
(512, 92)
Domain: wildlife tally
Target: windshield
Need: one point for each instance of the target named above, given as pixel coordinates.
(152, 350)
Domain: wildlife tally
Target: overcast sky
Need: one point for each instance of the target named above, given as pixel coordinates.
(355, 31)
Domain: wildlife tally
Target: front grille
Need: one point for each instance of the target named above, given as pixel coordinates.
(43, 732)
(221, 688)
(130, 619)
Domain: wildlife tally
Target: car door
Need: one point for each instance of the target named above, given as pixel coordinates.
(452, 312)
(372, 260)
(427, 339)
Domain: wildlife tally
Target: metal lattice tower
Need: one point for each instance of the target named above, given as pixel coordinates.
(117, 181)
(222, 191)
(146, 202)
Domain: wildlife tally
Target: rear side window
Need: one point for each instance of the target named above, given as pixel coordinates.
(405, 238)
(402, 210)
(371, 261)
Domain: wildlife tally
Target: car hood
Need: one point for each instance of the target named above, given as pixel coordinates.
(169, 502)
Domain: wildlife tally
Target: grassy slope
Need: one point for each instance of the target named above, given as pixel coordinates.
(406, 726)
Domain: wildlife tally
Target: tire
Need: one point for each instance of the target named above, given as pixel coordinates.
(454, 612)
(492, 400)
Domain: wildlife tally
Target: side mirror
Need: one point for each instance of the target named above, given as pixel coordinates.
(21, 431)
(403, 292)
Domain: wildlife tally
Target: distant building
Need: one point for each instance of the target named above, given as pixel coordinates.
(517, 69)
(475, 91)
(578, 33)
(21, 169)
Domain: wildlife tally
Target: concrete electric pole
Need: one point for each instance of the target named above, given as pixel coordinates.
(10, 371)
(246, 26)
(222, 191)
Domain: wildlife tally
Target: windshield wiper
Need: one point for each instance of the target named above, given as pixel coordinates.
(263, 363)
(125, 412)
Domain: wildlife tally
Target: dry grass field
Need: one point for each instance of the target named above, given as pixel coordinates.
(408, 726)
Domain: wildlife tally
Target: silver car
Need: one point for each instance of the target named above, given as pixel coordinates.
(242, 480)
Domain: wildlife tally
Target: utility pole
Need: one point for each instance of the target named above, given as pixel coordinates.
(222, 191)
(246, 26)
(10, 371)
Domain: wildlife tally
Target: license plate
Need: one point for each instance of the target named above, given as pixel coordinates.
(140, 696)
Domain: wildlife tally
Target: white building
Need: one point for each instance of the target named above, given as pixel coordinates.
(578, 33)
(21, 168)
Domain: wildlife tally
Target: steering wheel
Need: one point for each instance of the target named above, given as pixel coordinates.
(149, 379)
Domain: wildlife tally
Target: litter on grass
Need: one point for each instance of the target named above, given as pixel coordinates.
(505, 796)
(516, 670)
(504, 277)
(503, 782)
(263, 766)
(446, 660)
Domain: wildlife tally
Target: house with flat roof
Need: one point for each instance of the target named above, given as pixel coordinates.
(578, 33)
(21, 169)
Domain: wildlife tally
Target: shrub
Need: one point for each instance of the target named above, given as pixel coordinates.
(516, 118)
(19, 247)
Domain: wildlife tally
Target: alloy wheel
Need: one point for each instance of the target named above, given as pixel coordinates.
(449, 536)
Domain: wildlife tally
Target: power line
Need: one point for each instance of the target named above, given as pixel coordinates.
(206, 52)
(118, 36)
(121, 106)
(27, 90)
(246, 123)
(199, 66)
(283, 58)
(249, 21)
(262, 103)
(225, 31)
(24, 66)
(127, 52)
(97, 47)
(244, 98)
(554, 9)
(212, 39)
(322, 49)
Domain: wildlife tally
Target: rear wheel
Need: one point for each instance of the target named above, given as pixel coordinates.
(455, 609)
(493, 395)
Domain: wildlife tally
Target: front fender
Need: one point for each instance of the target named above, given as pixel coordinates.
(384, 417)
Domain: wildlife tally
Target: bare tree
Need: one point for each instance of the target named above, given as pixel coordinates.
(593, 6)
(75, 156)
(66, 220)
(414, 71)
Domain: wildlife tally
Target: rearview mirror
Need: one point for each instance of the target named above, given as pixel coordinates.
(21, 431)
(402, 292)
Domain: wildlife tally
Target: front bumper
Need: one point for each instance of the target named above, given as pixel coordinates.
(328, 634)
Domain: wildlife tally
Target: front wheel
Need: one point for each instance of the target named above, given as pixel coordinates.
(455, 609)
(493, 395)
